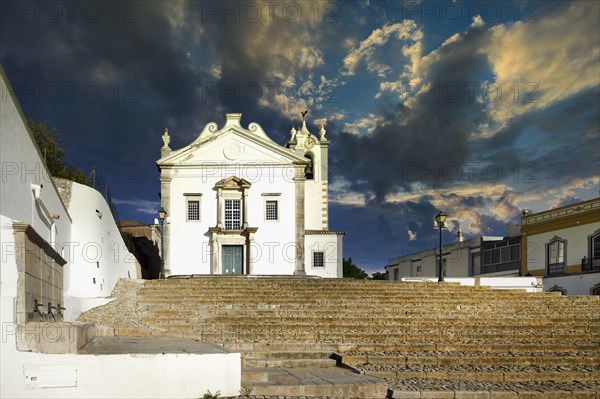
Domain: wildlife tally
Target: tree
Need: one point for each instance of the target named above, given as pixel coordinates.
(47, 140)
(351, 270)
(379, 276)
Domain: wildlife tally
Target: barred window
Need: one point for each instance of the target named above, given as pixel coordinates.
(193, 210)
(318, 259)
(233, 214)
(271, 211)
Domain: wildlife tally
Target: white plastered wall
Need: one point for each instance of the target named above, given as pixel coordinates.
(331, 246)
(576, 246)
(97, 256)
(273, 247)
(576, 284)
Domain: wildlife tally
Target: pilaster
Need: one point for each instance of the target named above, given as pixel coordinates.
(299, 181)
(324, 170)
(165, 202)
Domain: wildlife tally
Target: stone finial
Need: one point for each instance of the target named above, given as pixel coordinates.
(304, 128)
(459, 235)
(166, 139)
(322, 132)
(293, 133)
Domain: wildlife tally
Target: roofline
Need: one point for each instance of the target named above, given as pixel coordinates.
(31, 137)
(295, 159)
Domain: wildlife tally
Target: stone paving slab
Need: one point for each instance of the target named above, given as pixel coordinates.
(315, 382)
(149, 345)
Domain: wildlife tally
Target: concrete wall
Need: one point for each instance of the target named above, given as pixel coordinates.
(97, 255)
(112, 376)
(529, 284)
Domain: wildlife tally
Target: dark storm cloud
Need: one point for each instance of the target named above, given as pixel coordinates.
(490, 225)
(551, 146)
(409, 145)
(467, 201)
(122, 80)
(385, 230)
(389, 224)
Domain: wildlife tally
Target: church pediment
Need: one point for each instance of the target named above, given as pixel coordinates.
(231, 144)
(232, 182)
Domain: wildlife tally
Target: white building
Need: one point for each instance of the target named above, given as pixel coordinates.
(563, 246)
(488, 256)
(62, 251)
(238, 203)
(61, 254)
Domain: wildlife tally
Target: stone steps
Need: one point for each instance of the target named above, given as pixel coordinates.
(396, 319)
(323, 293)
(288, 363)
(482, 338)
(289, 358)
(284, 333)
(432, 307)
(487, 374)
(455, 328)
(417, 336)
(473, 347)
(401, 314)
(309, 382)
(474, 359)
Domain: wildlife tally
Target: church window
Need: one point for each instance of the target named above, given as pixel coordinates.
(318, 259)
(193, 210)
(271, 210)
(192, 206)
(233, 214)
(556, 257)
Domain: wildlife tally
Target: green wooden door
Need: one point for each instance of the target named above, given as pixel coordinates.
(232, 259)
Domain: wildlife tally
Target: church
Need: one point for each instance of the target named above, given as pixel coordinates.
(238, 203)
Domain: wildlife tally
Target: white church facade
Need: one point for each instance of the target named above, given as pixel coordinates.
(239, 203)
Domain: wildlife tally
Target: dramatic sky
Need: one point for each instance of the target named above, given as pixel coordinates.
(478, 108)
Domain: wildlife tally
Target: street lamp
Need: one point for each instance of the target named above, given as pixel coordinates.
(162, 214)
(440, 223)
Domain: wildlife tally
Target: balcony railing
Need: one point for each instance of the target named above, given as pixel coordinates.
(556, 268)
(590, 264)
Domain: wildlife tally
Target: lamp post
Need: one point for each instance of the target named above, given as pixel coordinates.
(440, 223)
(162, 214)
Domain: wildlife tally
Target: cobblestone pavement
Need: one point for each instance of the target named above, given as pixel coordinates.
(416, 384)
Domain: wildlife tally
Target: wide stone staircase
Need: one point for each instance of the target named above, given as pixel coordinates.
(421, 340)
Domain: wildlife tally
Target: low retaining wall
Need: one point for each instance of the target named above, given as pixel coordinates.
(529, 284)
